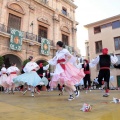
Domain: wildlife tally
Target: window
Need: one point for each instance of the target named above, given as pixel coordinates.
(45, 1)
(117, 43)
(118, 56)
(14, 22)
(42, 32)
(65, 39)
(97, 29)
(98, 46)
(116, 24)
(64, 11)
(106, 25)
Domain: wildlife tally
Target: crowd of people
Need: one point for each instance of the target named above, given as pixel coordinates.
(68, 73)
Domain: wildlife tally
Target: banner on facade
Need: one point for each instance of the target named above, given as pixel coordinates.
(69, 48)
(16, 38)
(45, 46)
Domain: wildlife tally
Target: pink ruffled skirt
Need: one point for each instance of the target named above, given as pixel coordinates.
(9, 81)
(70, 76)
(2, 79)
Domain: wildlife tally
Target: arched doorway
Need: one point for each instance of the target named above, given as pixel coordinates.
(51, 68)
(42, 61)
(10, 58)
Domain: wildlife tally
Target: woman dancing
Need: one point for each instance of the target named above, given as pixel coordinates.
(12, 73)
(3, 77)
(30, 77)
(65, 73)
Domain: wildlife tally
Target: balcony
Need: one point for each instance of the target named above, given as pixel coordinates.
(45, 2)
(26, 35)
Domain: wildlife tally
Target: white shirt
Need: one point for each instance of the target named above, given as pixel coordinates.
(95, 61)
(46, 67)
(30, 66)
(62, 54)
(12, 69)
(3, 70)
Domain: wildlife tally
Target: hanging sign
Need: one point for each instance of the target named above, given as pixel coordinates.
(45, 46)
(16, 38)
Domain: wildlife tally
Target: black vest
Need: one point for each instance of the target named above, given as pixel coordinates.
(47, 75)
(104, 61)
(40, 71)
(86, 68)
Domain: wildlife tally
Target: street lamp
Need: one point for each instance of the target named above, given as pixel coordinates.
(32, 26)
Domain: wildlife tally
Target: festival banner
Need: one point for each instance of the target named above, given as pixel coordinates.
(45, 46)
(16, 38)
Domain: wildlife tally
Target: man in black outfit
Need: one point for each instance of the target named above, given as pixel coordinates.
(104, 62)
(47, 75)
(40, 73)
(87, 74)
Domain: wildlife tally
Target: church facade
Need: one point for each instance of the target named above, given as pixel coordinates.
(36, 22)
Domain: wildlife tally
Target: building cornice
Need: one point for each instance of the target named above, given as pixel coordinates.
(103, 21)
(66, 17)
(71, 3)
(44, 5)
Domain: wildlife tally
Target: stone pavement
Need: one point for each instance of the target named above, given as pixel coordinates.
(50, 106)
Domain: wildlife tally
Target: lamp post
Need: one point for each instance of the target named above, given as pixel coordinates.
(32, 26)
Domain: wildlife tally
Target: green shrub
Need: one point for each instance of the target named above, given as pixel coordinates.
(25, 62)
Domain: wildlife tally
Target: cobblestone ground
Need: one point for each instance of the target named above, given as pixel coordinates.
(50, 106)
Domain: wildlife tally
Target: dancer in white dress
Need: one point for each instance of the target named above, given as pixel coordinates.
(12, 73)
(30, 77)
(65, 73)
(3, 77)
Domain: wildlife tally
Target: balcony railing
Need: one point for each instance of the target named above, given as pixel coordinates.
(26, 35)
(29, 36)
(43, 1)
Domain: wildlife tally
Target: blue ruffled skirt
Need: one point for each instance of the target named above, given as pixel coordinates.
(30, 78)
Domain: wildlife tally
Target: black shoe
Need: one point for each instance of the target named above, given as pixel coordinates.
(105, 95)
(71, 98)
(77, 93)
(60, 93)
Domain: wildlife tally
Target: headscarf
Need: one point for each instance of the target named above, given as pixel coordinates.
(40, 65)
(105, 51)
(86, 61)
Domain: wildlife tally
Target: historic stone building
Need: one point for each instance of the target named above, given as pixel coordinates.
(102, 34)
(50, 19)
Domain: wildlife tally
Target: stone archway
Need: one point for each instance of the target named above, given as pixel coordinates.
(10, 58)
(41, 61)
(16, 7)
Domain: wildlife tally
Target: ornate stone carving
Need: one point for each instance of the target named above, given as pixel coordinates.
(32, 7)
(65, 29)
(56, 17)
(43, 20)
(16, 7)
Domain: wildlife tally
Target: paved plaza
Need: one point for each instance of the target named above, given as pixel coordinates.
(50, 106)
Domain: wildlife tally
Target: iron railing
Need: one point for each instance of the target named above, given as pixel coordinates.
(45, 2)
(26, 35)
(29, 36)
